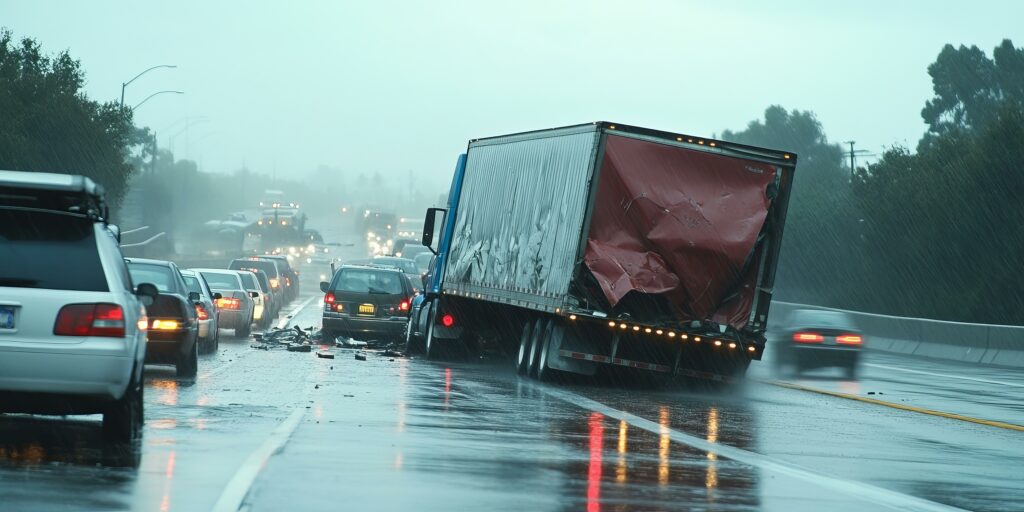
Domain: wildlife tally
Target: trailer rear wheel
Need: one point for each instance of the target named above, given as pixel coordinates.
(413, 344)
(555, 331)
(434, 348)
(540, 333)
(523, 361)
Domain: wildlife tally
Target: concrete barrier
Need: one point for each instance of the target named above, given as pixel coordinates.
(999, 345)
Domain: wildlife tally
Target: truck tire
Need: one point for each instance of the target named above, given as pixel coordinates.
(432, 346)
(523, 360)
(413, 343)
(122, 421)
(540, 333)
(557, 331)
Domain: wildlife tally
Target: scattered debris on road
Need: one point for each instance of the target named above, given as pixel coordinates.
(360, 356)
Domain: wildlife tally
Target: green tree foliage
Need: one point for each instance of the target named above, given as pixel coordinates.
(945, 226)
(49, 124)
(820, 260)
(970, 88)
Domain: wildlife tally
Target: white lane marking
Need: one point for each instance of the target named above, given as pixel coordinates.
(238, 487)
(946, 375)
(858, 490)
(288, 318)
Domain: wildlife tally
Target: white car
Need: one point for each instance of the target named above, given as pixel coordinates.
(72, 327)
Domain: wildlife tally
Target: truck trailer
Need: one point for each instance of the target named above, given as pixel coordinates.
(604, 245)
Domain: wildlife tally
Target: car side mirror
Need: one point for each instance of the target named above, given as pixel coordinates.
(254, 294)
(324, 286)
(217, 296)
(194, 296)
(147, 293)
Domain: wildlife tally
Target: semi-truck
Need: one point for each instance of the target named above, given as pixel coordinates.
(604, 246)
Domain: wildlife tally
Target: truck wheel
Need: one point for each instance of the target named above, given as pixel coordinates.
(523, 361)
(188, 364)
(432, 346)
(540, 333)
(545, 374)
(413, 343)
(122, 421)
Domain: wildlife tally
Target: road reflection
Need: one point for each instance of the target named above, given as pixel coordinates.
(27, 441)
(622, 462)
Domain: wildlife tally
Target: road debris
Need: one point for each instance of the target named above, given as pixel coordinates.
(360, 356)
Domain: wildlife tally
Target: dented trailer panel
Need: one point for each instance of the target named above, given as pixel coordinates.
(585, 218)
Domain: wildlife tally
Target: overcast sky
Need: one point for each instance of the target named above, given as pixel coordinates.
(398, 86)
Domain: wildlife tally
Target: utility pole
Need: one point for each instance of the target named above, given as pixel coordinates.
(854, 153)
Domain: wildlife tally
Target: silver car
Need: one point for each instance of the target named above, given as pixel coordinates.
(72, 328)
(235, 307)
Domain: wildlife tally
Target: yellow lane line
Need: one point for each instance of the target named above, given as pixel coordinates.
(941, 414)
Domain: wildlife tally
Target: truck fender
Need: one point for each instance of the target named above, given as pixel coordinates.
(565, 336)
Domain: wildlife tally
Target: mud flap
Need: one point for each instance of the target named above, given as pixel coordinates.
(566, 337)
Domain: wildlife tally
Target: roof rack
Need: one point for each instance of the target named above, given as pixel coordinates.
(64, 193)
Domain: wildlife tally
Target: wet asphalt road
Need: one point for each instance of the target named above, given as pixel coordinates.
(274, 430)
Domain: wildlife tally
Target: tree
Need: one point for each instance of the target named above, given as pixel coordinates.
(820, 249)
(945, 226)
(49, 124)
(970, 88)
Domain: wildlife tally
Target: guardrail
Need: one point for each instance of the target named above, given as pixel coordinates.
(999, 345)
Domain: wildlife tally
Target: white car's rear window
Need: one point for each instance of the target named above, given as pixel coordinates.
(49, 250)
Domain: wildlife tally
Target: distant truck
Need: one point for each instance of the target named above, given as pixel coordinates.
(605, 245)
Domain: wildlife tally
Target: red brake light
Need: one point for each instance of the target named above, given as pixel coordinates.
(404, 306)
(447, 320)
(105, 320)
(201, 312)
(274, 283)
(229, 303)
(329, 298)
(849, 339)
(808, 337)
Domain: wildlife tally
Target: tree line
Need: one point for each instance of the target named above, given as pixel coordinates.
(937, 232)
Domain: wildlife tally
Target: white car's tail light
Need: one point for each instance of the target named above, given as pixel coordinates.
(105, 320)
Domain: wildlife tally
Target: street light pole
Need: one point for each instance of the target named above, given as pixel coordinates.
(155, 94)
(126, 84)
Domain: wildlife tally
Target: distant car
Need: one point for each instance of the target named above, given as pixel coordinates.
(206, 311)
(260, 310)
(72, 328)
(366, 301)
(291, 276)
(273, 271)
(236, 305)
(410, 251)
(423, 261)
(173, 322)
(398, 245)
(819, 339)
(271, 300)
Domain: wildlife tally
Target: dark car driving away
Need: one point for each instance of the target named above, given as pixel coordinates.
(173, 323)
(366, 302)
(819, 339)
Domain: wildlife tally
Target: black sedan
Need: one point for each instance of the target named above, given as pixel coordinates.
(173, 336)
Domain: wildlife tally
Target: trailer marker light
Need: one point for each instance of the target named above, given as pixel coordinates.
(680, 139)
(712, 144)
(647, 330)
(447, 320)
(751, 348)
(732, 345)
(572, 317)
(611, 324)
(671, 334)
(701, 142)
(696, 338)
(660, 332)
(636, 327)
(623, 325)
(685, 336)
(786, 157)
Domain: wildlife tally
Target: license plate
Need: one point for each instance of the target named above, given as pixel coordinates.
(367, 309)
(6, 317)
